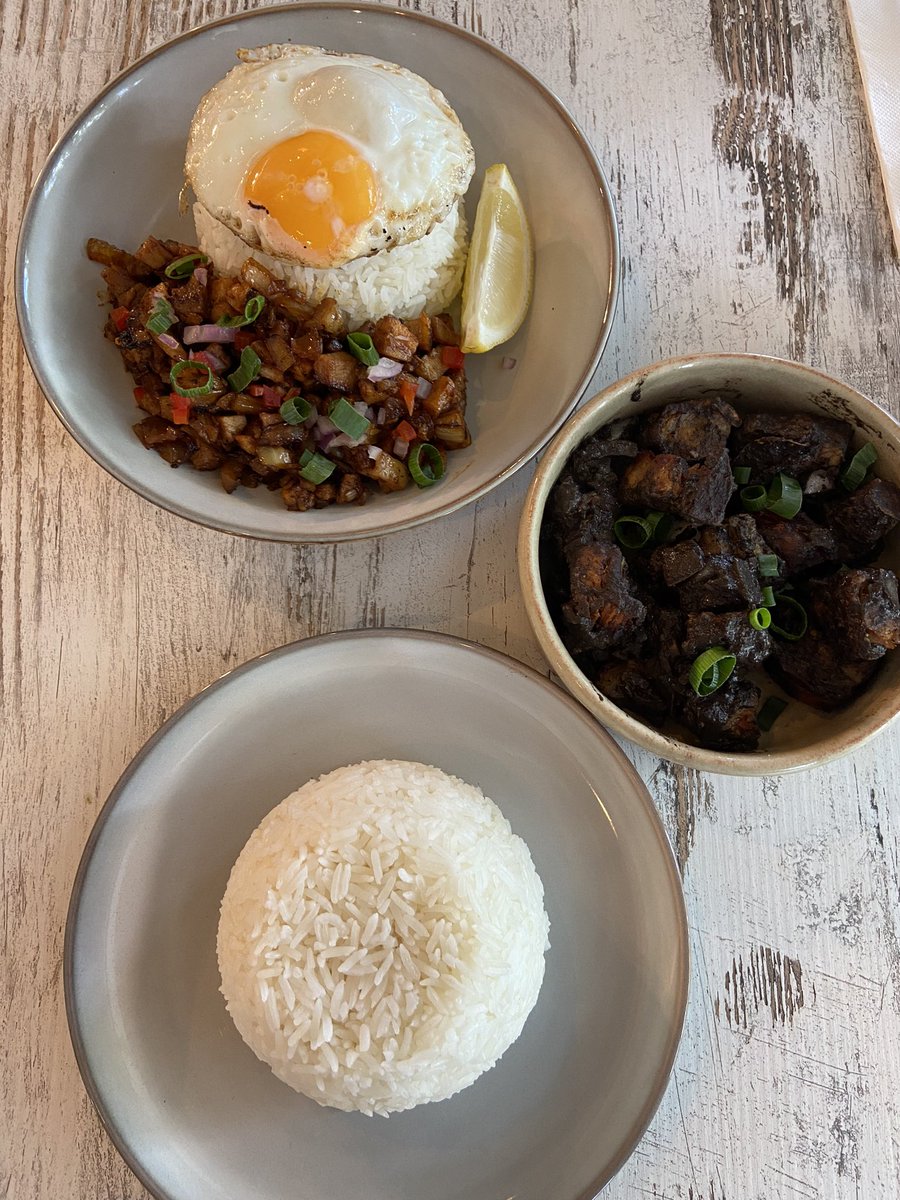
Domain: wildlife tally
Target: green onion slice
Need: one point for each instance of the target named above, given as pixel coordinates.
(348, 420)
(162, 316)
(742, 476)
(362, 347)
(759, 618)
(247, 371)
(315, 468)
(798, 618)
(770, 712)
(252, 310)
(633, 532)
(768, 597)
(425, 464)
(785, 496)
(181, 268)
(192, 393)
(859, 467)
(754, 498)
(711, 669)
(768, 565)
(296, 410)
(660, 525)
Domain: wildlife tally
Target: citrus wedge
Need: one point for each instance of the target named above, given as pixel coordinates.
(500, 267)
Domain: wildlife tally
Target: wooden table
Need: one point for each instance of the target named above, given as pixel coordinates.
(752, 218)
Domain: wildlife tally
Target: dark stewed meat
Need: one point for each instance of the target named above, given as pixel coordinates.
(801, 543)
(635, 685)
(602, 610)
(818, 672)
(866, 516)
(698, 493)
(693, 429)
(732, 630)
(726, 720)
(858, 610)
(795, 443)
(723, 582)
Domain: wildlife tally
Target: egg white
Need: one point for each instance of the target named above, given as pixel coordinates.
(420, 154)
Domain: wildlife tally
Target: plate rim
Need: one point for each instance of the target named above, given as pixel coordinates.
(429, 637)
(234, 527)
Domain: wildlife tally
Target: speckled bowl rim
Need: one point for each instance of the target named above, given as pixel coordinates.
(588, 419)
(30, 339)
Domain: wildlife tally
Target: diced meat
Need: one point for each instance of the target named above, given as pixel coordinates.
(636, 686)
(819, 673)
(739, 536)
(795, 443)
(602, 607)
(298, 495)
(678, 562)
(420, 328)
(328, 318)
(698, 493)
(394, 340)
(443, 331)
(351, 490)
(726, 719)
(723, 582)
(429, 366)
(102, 252)
(693, 429)
(591, 464)
(866, 516)
(338, 370)
(858, 610)
(731, 630)
(581, 516)
(189, 301)
(800, 542)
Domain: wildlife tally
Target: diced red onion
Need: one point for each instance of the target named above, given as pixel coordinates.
(385, 368)
(401, 448)
(380, 416)
(507, 363)
(326, 425)
(324, 440)
(375, 452)
(361, 407)
(166, 339)
(423, 389)
(209, 358)
(200, 275)
(208, 333)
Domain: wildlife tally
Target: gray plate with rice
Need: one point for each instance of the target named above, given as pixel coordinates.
(196, 1115)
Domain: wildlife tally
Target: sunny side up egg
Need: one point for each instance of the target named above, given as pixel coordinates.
(320, 158)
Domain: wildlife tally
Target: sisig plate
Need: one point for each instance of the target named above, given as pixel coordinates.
(195, 1114)
(103, 181)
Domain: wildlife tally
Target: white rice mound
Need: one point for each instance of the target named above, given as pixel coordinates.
(421, 276)
(382, 937)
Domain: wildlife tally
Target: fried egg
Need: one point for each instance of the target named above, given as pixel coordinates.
(320, 158)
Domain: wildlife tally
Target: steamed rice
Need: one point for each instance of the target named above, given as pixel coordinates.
(422, 276)
(382, 936)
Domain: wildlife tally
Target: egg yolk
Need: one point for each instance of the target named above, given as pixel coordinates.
(316, 186)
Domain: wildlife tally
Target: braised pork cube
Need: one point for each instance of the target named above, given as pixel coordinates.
(867, 515)
(591, 461)
(678, 562)
(338, 370)
(636, 686)
(698, 493)
(858, 611)
(602, 607)
(394, 340)
(731, 630)
(722, 583)
(693, 429)
(795, 443)
(818, 672)
(726, 719)
(801, 543)
(579, 515)
(739, 536)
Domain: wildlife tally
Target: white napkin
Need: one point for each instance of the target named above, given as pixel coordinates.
(876, 32)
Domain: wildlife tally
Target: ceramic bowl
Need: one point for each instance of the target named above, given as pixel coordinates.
(103, 181)
(802, 737)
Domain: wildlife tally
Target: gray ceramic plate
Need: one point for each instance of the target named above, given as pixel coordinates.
(104, 181)
(192, 1110)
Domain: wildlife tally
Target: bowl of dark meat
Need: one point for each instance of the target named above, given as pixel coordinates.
(708, 554)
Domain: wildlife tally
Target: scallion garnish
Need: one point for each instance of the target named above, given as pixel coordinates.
(785, 497)
(742, 476)
(770, 712)
(247, 371)
(768, 565)
(759, 618)
(296, 410)
(362, 347)
(162, 316)
(181, 268)
(798, 618)
(768, 597)
(315, 468)
(754, 498)
(192, 393)
(425, 464)
(858, 467)
(348, 420)
(660, 525)
(633, 532)
(252, 310)
(711, 669)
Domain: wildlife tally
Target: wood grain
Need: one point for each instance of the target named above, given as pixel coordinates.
(752, 218)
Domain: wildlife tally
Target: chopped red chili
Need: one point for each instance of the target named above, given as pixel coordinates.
(452, 356)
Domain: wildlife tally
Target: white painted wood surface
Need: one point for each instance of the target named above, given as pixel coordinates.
(752, 218)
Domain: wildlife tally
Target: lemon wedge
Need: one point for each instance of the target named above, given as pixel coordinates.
(500, 267)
